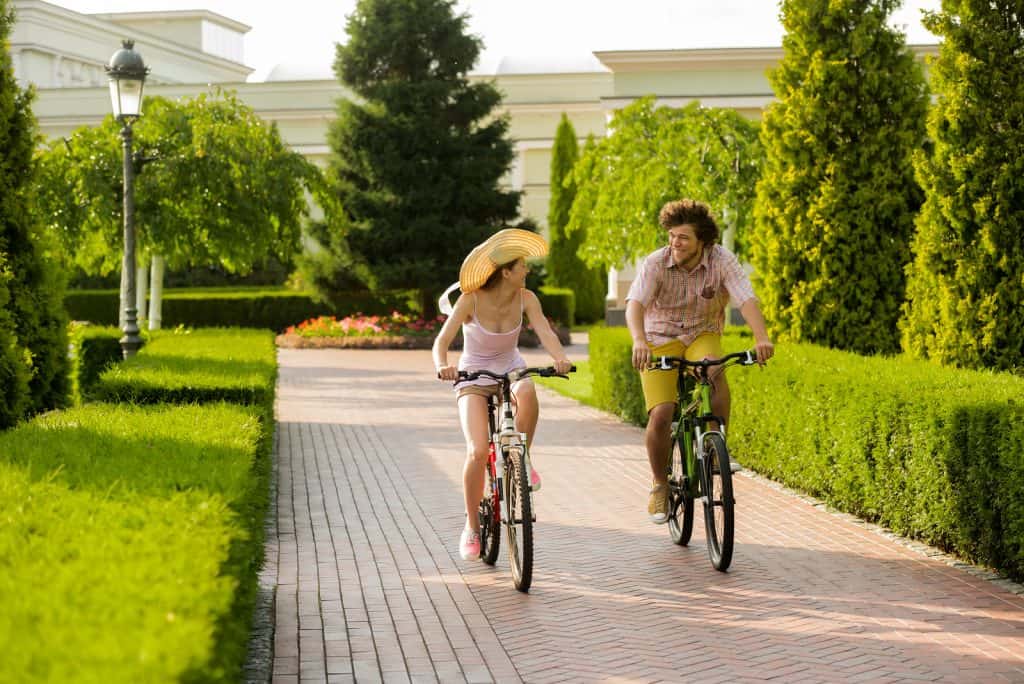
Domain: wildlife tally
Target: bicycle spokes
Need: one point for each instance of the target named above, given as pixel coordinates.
(519, 521)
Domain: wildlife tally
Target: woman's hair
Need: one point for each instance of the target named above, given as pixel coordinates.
(692, 212)
(495, 277)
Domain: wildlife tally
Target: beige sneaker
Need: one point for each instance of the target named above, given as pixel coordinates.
(657, 504)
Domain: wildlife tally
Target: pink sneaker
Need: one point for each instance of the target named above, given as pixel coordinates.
(534, 480)
(469, 545)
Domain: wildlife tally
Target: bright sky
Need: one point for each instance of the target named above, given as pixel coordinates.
(305, 31)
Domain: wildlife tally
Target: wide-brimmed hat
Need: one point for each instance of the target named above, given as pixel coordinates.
(501, 248)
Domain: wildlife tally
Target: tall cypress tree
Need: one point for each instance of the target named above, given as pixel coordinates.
(417, 160)
(836, 203)
(34, 302)
(565, 269)
(965, 290)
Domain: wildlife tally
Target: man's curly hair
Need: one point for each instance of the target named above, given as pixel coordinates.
(692, 212)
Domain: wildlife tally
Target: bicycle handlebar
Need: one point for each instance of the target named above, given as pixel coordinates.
(745, 358)
(512, 376)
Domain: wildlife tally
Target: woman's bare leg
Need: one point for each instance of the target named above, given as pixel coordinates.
(473, 417)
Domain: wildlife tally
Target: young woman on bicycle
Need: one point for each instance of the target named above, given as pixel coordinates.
(490, 311)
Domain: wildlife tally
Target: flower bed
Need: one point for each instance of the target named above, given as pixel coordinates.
(395, 331)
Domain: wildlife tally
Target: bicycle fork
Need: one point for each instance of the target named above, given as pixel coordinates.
(510, 446)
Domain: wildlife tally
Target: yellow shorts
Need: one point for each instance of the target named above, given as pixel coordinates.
(660, 385)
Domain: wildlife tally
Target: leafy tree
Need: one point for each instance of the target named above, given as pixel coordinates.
(417, 158)
(965, 290)
(836, 204)
(33, 323)
(217, 186)
(565, 269)
(655, 155)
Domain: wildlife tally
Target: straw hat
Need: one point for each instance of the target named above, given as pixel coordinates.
(502, 247)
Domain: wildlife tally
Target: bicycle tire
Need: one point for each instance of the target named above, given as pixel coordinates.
(718, 502)
(681, 503)
(519, 525)
(490, 523)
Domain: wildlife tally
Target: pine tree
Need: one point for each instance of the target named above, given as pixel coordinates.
(836, 203)
(36, 349)
(565, 269)
(417, 159)
(965, 290)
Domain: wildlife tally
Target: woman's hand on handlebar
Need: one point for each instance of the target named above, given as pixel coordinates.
(562, 366)
(448, 373)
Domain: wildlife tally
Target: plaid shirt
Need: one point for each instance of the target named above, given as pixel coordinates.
(680, 305)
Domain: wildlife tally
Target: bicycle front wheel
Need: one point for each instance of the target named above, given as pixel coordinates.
(519, 524)
(718, 501)
(490, 522)
(680, 512)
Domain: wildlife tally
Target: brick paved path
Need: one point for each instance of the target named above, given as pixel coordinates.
(370, 587)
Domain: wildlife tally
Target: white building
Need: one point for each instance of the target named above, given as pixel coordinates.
(63, 53)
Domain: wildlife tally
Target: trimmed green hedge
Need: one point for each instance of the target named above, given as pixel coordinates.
(932, 453)
(92, 350)
(202, 365)
(558, 303)
(128, 551)
(274, 308)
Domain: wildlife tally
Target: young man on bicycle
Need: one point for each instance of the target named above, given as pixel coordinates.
(676, 307)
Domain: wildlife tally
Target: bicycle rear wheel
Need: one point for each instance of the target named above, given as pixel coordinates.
(718, 502)
(680, 511)
(490, 522)
(519, 524)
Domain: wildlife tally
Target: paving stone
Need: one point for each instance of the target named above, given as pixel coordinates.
(367, 584)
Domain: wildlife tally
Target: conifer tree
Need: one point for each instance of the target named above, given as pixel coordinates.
(418, 155)
(565, 269)
(965, 290)
(837, 199)
(33, 323)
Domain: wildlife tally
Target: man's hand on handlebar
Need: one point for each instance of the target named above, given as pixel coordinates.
(765, 350)
(641, 355)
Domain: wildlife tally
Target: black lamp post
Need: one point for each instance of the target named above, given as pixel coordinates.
(127, 75)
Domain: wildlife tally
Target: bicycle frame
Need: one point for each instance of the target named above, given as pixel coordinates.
(690, 428)
(510, 493)
(504, 440)
(710, 482)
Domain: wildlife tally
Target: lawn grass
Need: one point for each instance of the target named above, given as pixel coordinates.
(579, 386)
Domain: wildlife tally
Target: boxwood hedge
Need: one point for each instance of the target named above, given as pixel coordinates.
(932, 453)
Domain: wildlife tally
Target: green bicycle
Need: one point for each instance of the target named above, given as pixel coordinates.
(701, 470)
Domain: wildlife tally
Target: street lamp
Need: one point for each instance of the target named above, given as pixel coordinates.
(127, 75)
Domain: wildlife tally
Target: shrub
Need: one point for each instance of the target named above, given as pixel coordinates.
(836, 203)
(965, 291)
(204, 365)
(932, 453)
(131, 548)
(565, 269)
(33, 331)
(271, 308)
(616, 383)
(559, 304)
(92, 350)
